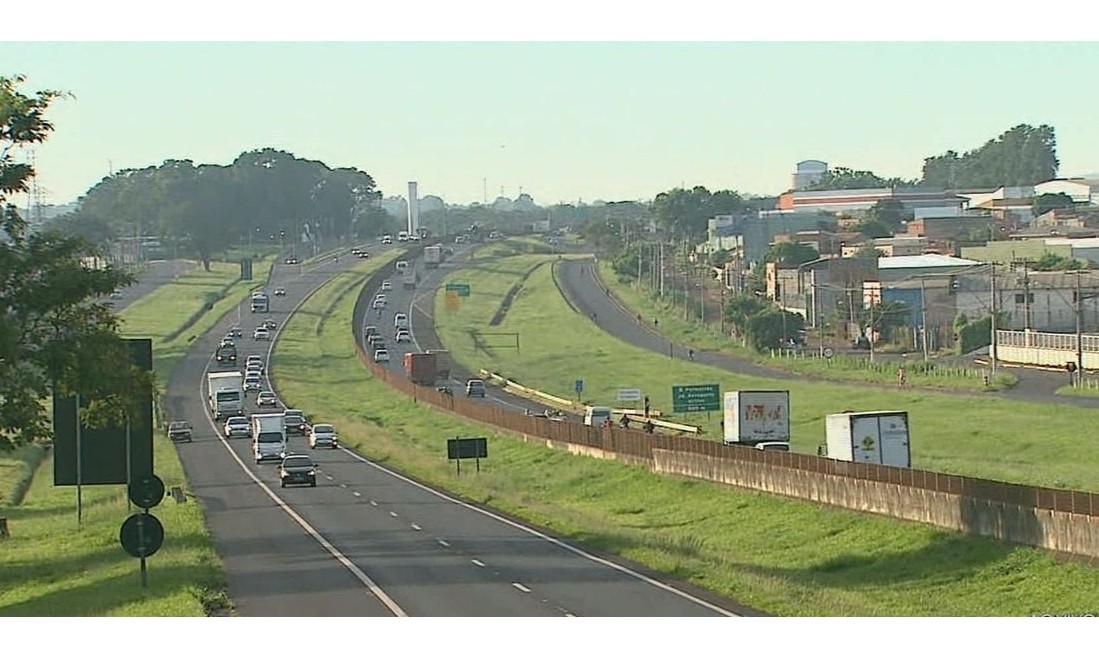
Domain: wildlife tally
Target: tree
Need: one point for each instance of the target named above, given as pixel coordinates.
(844, 178)
(681, 212)
(791, 255)
(1050, 262)
(720, 257)
(890, 213)
(57, 332)
(1047, 202)
(1023, 155)
(873, 228)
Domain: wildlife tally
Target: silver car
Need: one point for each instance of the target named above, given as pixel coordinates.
(237, 426)
(323, 434)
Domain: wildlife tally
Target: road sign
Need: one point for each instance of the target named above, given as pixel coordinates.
(829, 353)
(147, 491)
(461, 289)
(629, 394)
(141, 535)
(465, 448)
(578, 386)
(696, 398)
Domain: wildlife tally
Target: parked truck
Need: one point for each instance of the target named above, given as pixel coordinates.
(421, 367)
(756, 417)
(433, 256)
(268, 437)
(872, 437)
(225, 394)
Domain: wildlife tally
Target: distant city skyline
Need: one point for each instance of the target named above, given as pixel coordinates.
(560, 121)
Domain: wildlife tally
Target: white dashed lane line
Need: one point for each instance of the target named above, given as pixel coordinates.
(444, 543)
(477, 563)
(343, 484)
(392, 514)
(356, 494)
(416, 527)
(521, 587)
(373, 502)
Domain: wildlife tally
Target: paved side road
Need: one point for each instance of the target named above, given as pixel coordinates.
(155, 275)
(580, 284)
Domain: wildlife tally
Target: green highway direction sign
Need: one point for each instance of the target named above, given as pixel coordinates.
(696, 398)
(461, 289)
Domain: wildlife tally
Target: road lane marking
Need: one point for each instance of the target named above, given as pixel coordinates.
(521, 587)
(392, 514)
(477, 563)
(356, 494)
(343, 484)
(444, 543)
(416, 527)
(373, 502)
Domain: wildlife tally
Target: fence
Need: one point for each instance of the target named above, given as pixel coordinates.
(1061, 520)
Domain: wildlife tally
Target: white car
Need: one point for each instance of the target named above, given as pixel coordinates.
(254, 362)
(379, 304)
(400, 321)
(237, 426)
(323, 434)
(252, 383)
(381, 356)
(387, 285)
(261, 334)
(403, 336)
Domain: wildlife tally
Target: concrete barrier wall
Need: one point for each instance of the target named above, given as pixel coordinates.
(1060, 520)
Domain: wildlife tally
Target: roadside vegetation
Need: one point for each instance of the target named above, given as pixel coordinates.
(972, 435)
(53, 567)
(775, 555)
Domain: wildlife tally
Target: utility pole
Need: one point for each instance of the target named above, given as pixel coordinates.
(701, 297)
(1026, 296)
(923, 318)
(1079, 332)
(661, 268)
(993, 306)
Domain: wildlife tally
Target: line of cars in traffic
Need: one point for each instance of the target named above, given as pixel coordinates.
(373, 336)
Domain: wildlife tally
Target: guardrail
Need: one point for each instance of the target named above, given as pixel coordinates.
(581, 409)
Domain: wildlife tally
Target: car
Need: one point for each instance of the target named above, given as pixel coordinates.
(369, 331)
(266, 399)
(355, 251)
(387, 285)
(294, 422)
(381, 356)
(280, 292)
(261, 334)
(298, 470)
(253, 373)
(378, 304)
(227, 342)
(253, 361)
(270, 323)
(179, 431)
(403, 336)
(400, 321)
(323, 434)
(237, 426)
(387, 239)
(381, 297)
(252, 383)
(475, 388)
(374, 338)
(236, 332)
(774, 446)
(116, 295)
(292, 260)
(363, 254)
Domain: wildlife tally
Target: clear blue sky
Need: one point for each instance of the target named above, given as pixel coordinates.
(563, 121)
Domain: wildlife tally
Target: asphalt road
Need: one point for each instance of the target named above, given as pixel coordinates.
(587, 295)
(370, 542)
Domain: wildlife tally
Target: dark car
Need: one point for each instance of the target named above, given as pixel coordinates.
(236, 332)
(475, 388)
(294, 422)
(179, 431)
(270, 323)
(280, 292)
(298, 470)
(293, 260)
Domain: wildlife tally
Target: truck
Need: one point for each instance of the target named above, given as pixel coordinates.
(260, 303)
(410, 279)
(226, 355)
(433, 256)
(755, 417)
(421, 367)
(225, 394)
(870, 437)
(268, 437)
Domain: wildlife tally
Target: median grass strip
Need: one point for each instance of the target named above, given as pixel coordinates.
(977, 436)
(53, 567)
(669, 311)
(780, 556)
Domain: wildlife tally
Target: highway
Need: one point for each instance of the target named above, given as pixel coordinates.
(370, 542)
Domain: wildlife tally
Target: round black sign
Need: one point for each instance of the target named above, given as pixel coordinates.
(147, 491)
(141, 535)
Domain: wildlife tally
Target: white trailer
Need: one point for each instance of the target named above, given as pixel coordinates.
(433, 256)
(751, 417)
(225, 394)
(268, 437)
(870, 437)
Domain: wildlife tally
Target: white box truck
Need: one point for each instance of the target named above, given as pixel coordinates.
(433, 256)
(260, 303)
(268, 437)
(225, 394)
(873, 437)
(754, 417)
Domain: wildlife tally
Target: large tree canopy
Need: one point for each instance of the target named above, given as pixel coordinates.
(1024, 155)
(57, 331)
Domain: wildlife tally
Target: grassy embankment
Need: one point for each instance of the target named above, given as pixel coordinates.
(840, 368)
(55, 568)
(974, 435)
(784, 557)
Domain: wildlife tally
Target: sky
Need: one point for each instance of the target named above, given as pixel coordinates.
(565, 114)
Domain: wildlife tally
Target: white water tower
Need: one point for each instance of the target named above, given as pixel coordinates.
(413, 210)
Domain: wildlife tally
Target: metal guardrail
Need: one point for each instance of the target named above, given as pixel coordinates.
(580, 408)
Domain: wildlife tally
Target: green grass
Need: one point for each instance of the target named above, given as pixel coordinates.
(972, 435)
(55, 568)
(846, 369)
(776, 555)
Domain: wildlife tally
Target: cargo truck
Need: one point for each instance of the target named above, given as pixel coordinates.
(410, 279)
(754, 417)
(225, 394)
(260, 303)
(268, 437)
(870, 437)
(433, 256)
(421, 367)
